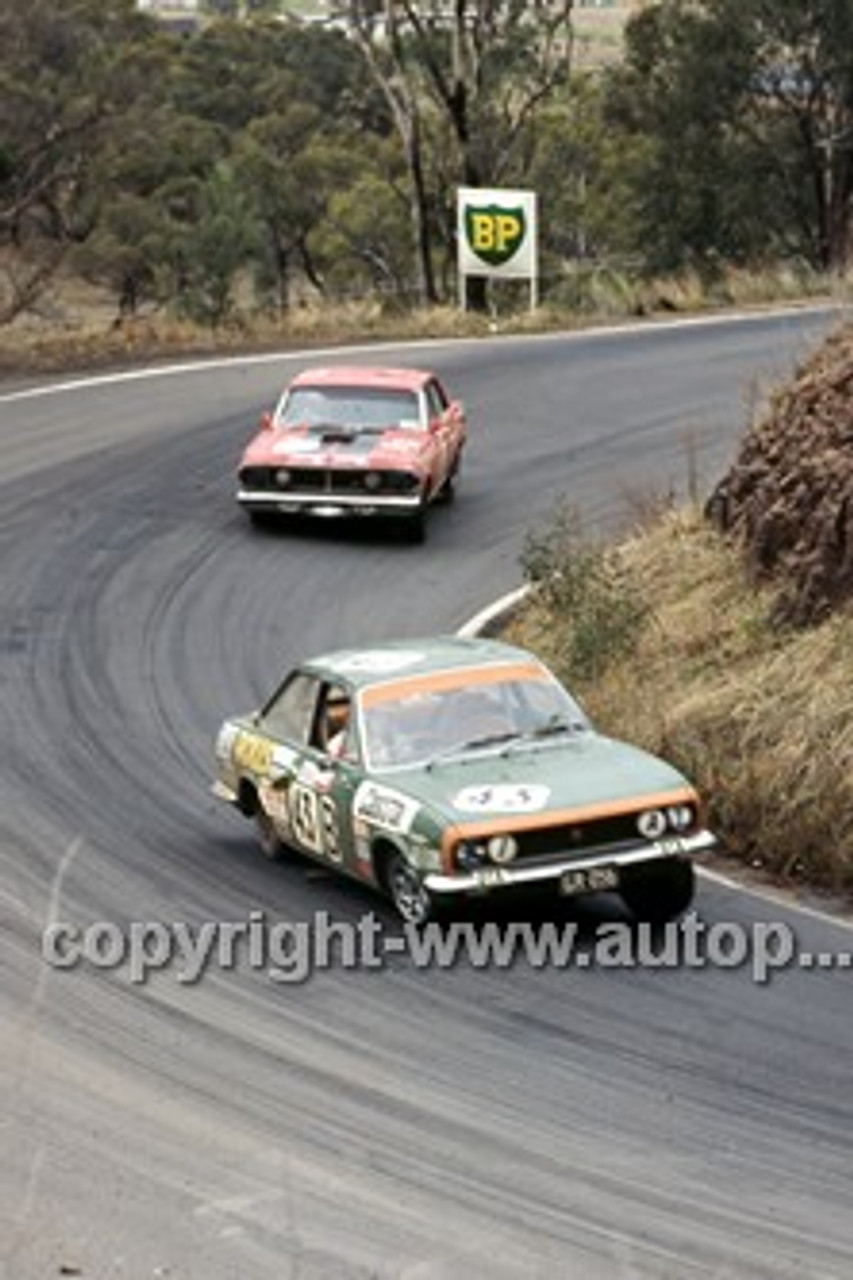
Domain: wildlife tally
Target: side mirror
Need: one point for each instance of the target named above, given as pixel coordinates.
(265, 423)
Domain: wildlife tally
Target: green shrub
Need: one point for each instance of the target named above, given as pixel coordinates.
(583, 584)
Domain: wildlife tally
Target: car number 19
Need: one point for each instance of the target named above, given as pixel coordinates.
(314, 822)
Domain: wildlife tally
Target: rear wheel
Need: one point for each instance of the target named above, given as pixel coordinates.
(658, 891)
(268, 837)
(447, 493)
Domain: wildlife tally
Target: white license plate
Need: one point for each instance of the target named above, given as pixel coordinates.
(328, 510)
(588, 880)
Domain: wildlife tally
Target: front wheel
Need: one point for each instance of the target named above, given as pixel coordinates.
(261, 518)
(658, 891)
(412, 900)
(413, 528)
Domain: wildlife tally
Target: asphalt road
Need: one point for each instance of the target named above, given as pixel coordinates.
(599, 1122)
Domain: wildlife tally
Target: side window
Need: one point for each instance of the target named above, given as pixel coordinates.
(333, 731)
(436, 400)
(290, 714)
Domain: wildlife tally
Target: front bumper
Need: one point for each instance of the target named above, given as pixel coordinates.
(487, 878)
(331, 504)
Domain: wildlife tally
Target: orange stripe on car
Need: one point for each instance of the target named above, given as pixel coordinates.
(441, 681)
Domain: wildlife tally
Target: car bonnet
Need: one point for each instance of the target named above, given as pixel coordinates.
(530, 781)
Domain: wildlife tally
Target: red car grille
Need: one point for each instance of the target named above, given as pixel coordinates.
(326, 481)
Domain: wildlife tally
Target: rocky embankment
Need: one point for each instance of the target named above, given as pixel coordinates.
(788, 498)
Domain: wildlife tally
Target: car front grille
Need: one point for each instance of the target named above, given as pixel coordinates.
(576, 837)
(328, 482)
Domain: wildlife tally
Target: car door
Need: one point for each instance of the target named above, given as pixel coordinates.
(309, 792)
(443, 431)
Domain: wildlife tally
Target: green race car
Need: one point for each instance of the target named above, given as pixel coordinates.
(439, 768)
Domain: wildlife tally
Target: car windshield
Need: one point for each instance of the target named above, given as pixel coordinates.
(424, 724)
(363, 408)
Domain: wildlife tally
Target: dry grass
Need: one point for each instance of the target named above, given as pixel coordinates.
(74, 326)
(87, 337)
(761, 719)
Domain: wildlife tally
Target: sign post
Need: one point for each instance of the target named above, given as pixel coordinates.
(497, 234)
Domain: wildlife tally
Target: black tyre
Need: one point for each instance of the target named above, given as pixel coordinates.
(413, 528)
(412, 900)
(447, 493)
(262, 519)
(658, 891)
(268, 838)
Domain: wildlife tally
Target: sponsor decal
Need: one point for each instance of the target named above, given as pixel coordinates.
(252, 752)
(384, 807)
(502, 797)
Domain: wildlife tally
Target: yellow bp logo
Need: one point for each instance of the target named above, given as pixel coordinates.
(493, 233)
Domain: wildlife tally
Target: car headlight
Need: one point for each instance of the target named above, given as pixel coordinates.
(373, 481)
(282, 477)
(680, 816)
(502, 849)
(651, 823)
(470, 854)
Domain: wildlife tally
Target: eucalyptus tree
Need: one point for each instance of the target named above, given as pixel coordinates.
(150, 180)
(70, 71)
(479, 68)
(309, 113)
(362, 245)
(745, 111)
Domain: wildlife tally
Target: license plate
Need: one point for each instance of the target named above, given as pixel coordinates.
(588, 880)
(670, 845)
(328, 510)
(491, 877)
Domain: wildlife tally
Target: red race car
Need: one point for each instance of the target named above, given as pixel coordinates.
(349, 441)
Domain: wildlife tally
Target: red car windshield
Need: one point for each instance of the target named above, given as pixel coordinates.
(358, 407)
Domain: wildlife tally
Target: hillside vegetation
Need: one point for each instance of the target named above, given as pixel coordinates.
(725, 643)
(233, 174)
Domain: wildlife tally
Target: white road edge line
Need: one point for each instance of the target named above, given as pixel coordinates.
(308, 355)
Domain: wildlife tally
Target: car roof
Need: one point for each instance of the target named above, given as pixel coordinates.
(394, 660)
(363, 376)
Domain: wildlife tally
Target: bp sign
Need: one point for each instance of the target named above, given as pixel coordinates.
(494, 232)
(496, 235)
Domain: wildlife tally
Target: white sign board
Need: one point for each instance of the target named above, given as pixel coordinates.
(497, 235)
